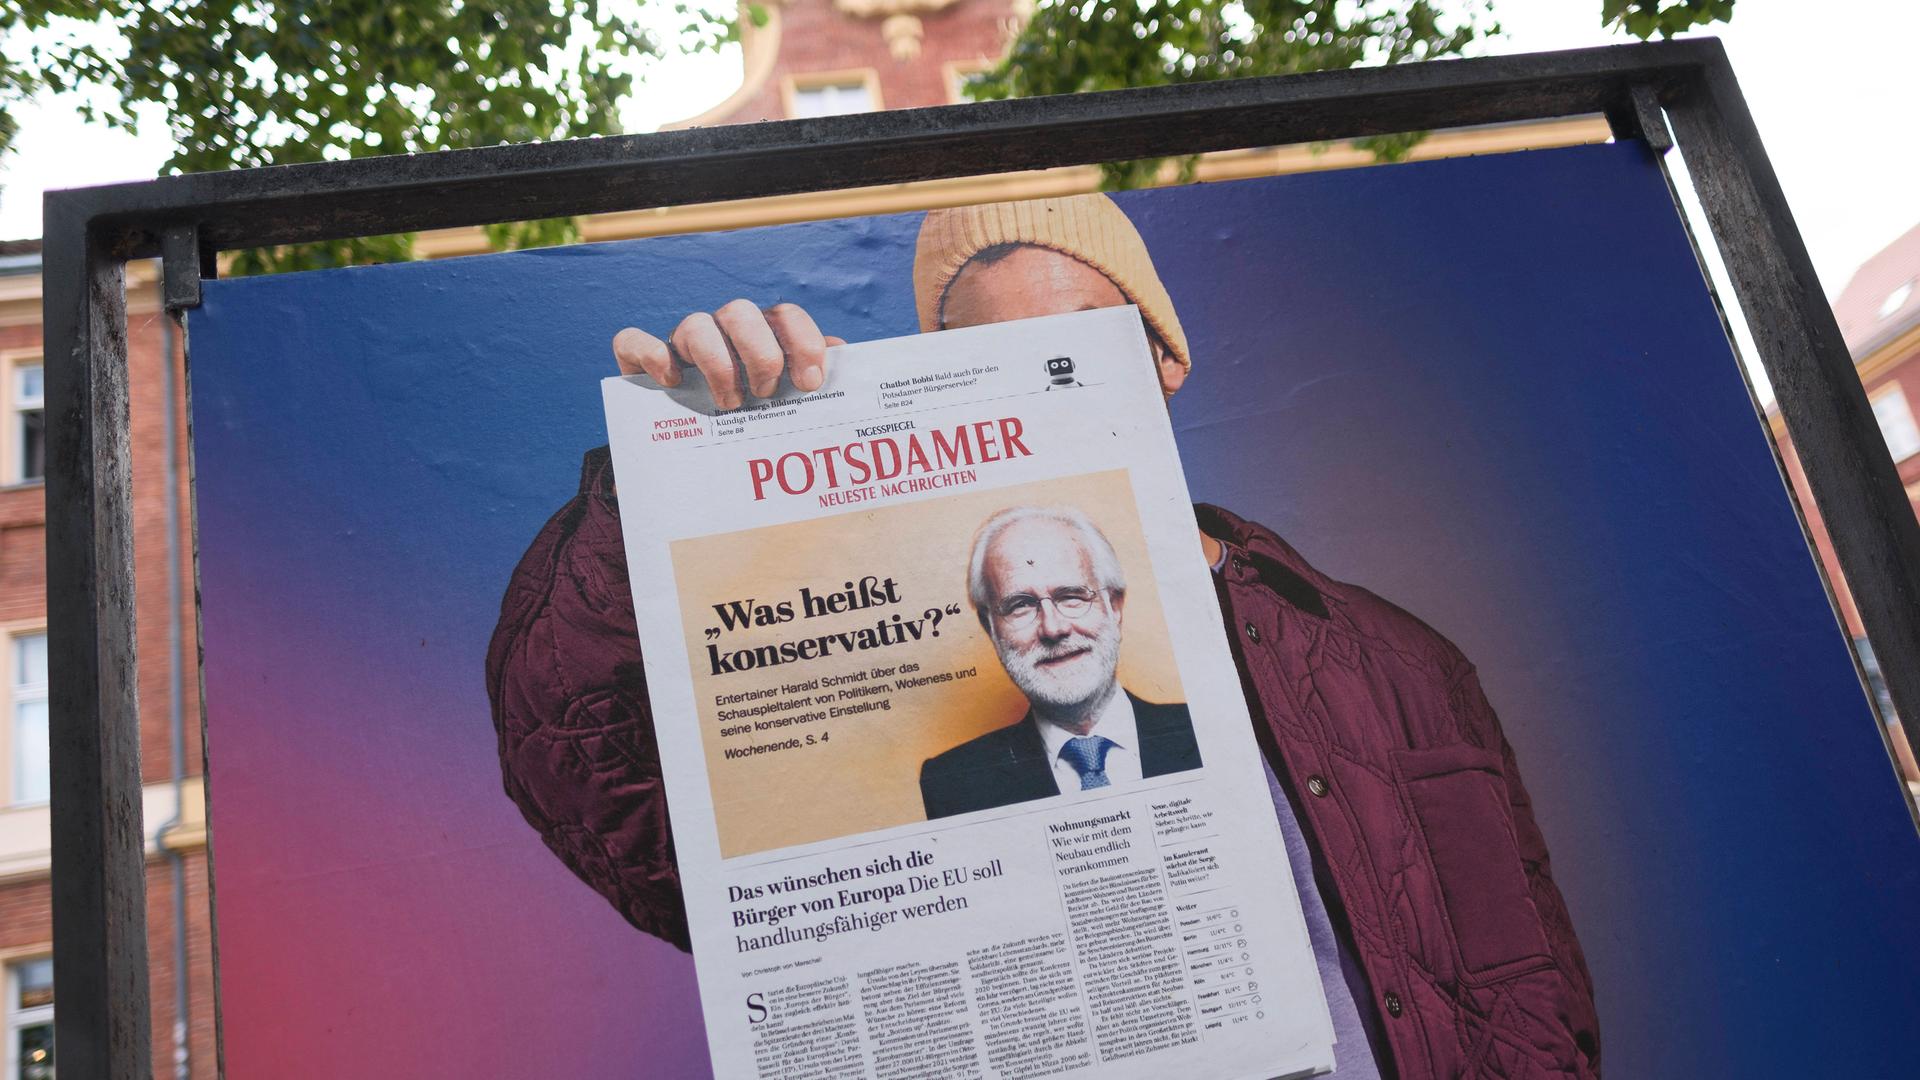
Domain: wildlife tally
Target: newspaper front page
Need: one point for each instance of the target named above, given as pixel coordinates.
(961, 776)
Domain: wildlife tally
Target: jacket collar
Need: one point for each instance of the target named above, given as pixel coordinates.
(596, 472)
(1277, 565)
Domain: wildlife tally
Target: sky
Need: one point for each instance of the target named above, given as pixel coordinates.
(1831, 97)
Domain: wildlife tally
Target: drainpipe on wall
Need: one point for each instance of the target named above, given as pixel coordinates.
(176, 702)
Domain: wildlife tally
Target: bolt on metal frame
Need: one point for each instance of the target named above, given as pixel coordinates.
(99, 885)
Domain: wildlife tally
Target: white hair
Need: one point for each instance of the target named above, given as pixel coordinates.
(1106, 564)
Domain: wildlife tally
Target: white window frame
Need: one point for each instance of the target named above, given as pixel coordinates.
(13, 447)
(957, 73)
(1896, 299)
(1897, 426)
(17, 1017)
(867, 78)
(17, 693)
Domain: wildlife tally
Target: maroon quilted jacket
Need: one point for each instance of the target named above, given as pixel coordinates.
(1406, 785)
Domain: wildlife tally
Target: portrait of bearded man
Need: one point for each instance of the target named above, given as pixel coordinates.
(1050, 593)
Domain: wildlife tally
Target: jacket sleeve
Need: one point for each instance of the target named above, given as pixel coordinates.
(570, 711)
(1481, 725)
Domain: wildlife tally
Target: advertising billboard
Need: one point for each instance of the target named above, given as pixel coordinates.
(1567, 747)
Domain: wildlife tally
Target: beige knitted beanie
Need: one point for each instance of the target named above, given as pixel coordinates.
(1089, 228)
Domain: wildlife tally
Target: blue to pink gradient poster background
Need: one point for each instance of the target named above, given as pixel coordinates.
(1492, 390)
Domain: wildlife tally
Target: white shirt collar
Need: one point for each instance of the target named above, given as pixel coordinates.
(1115, 722)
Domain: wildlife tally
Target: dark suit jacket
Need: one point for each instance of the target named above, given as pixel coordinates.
(1010, 765)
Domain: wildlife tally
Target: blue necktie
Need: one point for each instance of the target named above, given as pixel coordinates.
(1088, 756)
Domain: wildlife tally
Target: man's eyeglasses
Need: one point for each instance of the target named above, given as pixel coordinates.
(1021, 609)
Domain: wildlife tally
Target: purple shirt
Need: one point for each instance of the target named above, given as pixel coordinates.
(1354, 1016)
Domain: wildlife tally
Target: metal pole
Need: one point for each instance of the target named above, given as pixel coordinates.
(176, 699)
(102, 1026)
(1854, 482)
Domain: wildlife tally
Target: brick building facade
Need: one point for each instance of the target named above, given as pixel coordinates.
(818, 57)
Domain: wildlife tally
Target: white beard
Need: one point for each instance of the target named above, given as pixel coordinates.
(1084, 682)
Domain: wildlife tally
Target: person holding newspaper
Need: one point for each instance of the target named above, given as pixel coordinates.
(1443, 942)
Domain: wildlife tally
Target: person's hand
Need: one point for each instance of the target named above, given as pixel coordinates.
(739, 346)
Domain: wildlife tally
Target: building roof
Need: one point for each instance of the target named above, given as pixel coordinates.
(19, 257)
(1882, 299)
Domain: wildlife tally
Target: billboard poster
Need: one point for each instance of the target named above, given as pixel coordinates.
(1569, 761)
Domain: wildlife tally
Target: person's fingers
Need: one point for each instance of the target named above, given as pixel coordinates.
(638, 352)
(699, 342)
(754, 343)
(738, 335)
(806, 350)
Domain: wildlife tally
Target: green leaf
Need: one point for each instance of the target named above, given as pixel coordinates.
(1072, 46)
(1645, 18)
(245, 83)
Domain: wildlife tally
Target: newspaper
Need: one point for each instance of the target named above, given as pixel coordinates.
(961, 775)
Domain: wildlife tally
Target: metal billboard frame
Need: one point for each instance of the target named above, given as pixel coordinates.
(99, 882)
